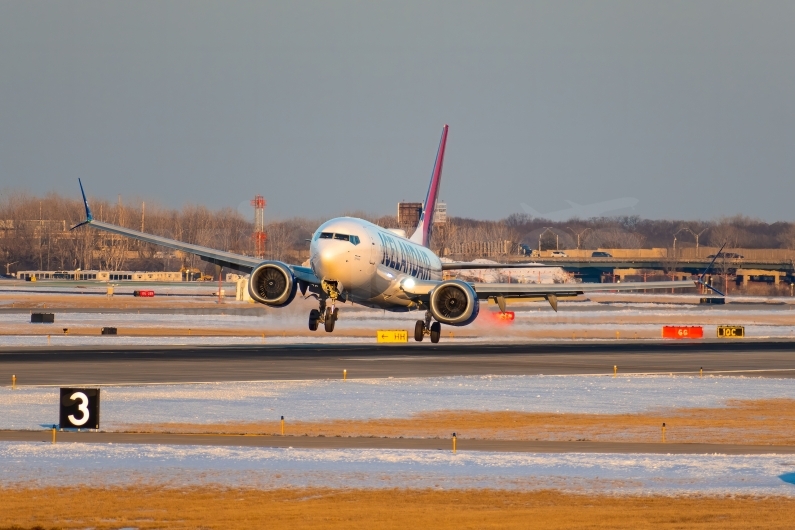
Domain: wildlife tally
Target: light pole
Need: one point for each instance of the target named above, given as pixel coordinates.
(578, 235)
(676, 234)
(8, 265)
(696, 235)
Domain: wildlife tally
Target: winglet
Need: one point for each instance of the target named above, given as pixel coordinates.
(422, 234)
(700, 280)
(89, 217)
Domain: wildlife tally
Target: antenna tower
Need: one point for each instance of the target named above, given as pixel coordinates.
(259, 226)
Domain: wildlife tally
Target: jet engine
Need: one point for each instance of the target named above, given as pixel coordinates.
(272, 283)
(454, 303)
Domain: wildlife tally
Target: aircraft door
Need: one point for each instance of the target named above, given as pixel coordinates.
(373, 251)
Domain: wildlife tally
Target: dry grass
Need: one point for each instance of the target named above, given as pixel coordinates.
(769, 421)
(152, 507)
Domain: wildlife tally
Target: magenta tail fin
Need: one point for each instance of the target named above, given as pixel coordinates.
(422, 234)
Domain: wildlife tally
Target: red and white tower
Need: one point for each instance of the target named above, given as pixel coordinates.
(259, 226)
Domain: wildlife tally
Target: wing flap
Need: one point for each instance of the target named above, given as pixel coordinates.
(523, 290)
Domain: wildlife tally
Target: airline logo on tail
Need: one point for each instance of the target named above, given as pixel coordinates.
(422, 235)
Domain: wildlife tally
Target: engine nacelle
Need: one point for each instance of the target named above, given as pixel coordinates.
(272, 283)
(454, 303)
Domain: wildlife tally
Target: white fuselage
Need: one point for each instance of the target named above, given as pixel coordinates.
(368, 263)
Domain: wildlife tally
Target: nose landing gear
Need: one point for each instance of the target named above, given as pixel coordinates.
(330, 318)
(326, 315)
(424, 327)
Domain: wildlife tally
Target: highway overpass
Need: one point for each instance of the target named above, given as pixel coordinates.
(592, 269)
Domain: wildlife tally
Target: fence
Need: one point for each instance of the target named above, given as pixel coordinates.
(482, 248)
(761, 254)
(615, 252)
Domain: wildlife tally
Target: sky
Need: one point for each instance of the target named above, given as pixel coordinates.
(333, 107)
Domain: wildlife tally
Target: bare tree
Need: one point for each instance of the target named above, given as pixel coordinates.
(34, 233)
(787, 238)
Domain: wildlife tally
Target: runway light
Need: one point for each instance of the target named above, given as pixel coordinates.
(503, 318)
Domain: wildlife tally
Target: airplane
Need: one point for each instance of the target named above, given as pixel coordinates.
(353, 260)
(583, 211)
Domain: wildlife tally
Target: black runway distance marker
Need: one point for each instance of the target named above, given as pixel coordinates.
(79, 408)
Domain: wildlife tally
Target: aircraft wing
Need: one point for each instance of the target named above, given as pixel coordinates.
(230, 260)
(540, 290)
(237, 262)
(549, 291)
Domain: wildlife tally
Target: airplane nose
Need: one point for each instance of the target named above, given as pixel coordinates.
(330, 260)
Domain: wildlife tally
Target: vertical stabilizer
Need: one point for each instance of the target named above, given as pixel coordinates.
(422, 234)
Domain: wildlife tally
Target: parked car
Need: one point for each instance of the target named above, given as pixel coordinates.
(559, 254)
(726, 255)
(600, 254)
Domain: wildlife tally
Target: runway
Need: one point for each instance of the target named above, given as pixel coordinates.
(123, 365)
(371, 442)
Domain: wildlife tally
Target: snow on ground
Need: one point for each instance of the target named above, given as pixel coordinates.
(533, 322)
(44, 464)
(34, 407)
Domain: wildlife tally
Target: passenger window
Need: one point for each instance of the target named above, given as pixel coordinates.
(355, 240)
(342, 237)
(326, 235)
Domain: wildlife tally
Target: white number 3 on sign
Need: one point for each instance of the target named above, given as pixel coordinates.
(82, 407)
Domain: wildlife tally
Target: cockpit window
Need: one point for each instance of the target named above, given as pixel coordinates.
(340, 237)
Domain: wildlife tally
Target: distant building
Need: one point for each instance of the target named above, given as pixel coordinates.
(440, 213)
(408, 213)
(102, 276)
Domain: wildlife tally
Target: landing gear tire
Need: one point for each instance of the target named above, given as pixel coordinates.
(331, 318)
(436, 332)
(314, 317)
(419, 330)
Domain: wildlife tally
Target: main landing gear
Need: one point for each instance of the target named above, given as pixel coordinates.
(325, 315)
(424, 327)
